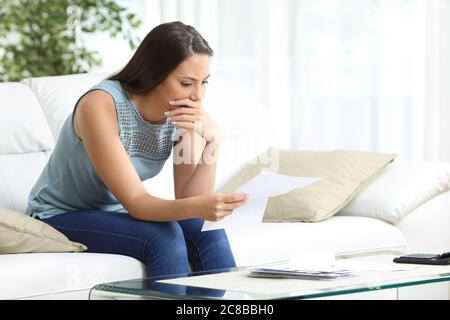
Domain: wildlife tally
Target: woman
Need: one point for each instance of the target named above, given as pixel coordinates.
(120, 133)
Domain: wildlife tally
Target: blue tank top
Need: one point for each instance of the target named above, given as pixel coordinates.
(69, 181)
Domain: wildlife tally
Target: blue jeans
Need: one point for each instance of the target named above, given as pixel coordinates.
(166, 248)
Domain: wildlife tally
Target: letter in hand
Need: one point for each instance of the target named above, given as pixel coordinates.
(234, 201)
(228, 203)
(225, 205)
(236, 197)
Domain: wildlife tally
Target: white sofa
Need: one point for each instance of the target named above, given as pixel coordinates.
(31, 115)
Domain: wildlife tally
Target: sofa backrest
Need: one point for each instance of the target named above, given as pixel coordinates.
(33, 111)
(25, 143)
(57, 95)
(31, 116)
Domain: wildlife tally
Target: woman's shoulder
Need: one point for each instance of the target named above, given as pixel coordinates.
(94, 107)
(109, 87)
(107, 83)
(96, 97)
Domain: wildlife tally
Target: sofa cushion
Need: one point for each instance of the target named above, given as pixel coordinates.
(20, 233)
(23, 127)
(399, 189)
(18, 174)
(345, 173)
(57, 95)
(32, 274)
(272, 241)
(426, 228)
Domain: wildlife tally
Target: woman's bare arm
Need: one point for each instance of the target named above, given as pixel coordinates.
(96, 124)
(197, 176)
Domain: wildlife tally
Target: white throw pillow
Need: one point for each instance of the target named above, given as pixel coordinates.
(400, 188)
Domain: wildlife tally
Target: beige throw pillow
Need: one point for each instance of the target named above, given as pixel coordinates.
(345, 173)
(20, 233)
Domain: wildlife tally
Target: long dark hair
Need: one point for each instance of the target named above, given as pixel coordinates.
(161, 51)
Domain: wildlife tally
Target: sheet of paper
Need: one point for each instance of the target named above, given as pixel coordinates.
(269, 184)
(249, 214)
(266, 184)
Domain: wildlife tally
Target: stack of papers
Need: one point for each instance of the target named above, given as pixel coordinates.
(287, 271)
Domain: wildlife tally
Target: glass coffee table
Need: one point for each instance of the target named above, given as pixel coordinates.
(235, 284)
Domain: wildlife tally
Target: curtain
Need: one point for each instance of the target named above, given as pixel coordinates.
(327, 74)
(437, 118)
(359, 75)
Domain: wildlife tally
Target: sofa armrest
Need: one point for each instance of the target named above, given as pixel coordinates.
(399, 189)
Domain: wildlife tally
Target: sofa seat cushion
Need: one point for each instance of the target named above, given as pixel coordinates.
(273, 241)
(29, 274)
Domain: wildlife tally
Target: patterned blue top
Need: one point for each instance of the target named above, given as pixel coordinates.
(69, 182)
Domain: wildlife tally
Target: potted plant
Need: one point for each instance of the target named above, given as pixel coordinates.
(44, 37)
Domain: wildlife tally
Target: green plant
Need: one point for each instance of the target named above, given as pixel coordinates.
(44, 37)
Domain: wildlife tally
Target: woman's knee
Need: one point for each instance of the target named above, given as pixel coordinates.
(192, 229)
(218, 239)
(165, 239)
(166, 233)
(166, 251)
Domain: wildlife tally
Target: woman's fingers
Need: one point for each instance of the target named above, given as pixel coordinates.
(223, 214)
(227, 203)
(184, 125)
(235, 197)
(184, 102)
(184, 117)
(234, 205)
(182, 110)
(228, 209)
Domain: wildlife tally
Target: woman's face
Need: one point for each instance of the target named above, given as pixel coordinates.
(187, 81)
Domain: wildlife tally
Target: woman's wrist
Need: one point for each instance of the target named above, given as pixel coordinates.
(185, 208)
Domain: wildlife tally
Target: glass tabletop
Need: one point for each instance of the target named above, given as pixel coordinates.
(234, 284)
